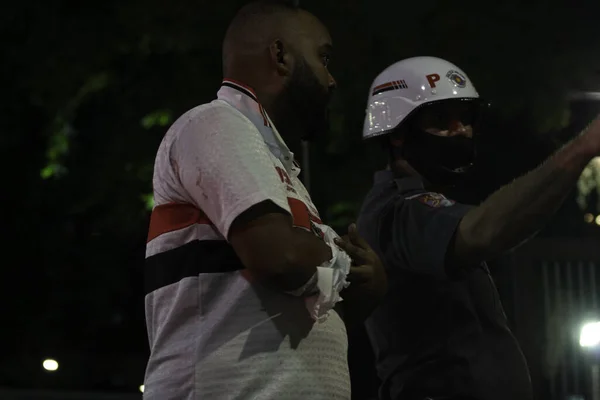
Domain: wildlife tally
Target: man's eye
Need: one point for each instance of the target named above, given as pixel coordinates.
(326, 59)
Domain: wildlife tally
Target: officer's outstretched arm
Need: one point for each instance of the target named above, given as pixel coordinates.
(518, 210)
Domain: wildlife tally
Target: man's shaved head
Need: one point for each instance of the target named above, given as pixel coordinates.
(255, 26)
(282, 52)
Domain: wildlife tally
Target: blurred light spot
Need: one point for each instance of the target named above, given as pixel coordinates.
(160, 118)
(598, 220)
(50, 365)
(148, 200)
(142, 388)
(589, 218)
(590, 335)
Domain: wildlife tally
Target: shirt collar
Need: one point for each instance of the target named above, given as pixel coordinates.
(244, 99)
(404, 184)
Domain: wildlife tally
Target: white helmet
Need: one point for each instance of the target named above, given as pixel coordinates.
(409, 84)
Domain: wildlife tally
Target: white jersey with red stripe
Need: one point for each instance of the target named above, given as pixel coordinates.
(214, 332)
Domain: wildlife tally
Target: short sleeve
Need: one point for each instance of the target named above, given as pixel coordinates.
(424, 225)
(225, 166)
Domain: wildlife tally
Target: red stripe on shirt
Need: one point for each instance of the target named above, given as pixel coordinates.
(174, 216)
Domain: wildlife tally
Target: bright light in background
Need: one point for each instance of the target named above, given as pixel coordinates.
(598, 220)
(50, 365)
(588, 184)
(590, 335)
(589, 218)
(142, 388)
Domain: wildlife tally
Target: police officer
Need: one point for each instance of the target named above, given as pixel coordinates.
(441, 332)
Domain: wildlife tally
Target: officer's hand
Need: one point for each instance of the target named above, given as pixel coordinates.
(367, 269)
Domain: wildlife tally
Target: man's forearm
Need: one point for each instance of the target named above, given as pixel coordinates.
(518, 210)
(308, 253)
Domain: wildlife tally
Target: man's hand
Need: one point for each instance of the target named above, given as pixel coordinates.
(367, 277)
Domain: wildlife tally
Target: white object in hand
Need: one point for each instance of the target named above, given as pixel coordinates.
(331, 279)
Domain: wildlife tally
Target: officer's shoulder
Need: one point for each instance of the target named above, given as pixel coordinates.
(429, 199)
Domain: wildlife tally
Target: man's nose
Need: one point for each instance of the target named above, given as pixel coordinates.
(331, 83)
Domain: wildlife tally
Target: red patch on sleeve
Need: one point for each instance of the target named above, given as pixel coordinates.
(434, 200)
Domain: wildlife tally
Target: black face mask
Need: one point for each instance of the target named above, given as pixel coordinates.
(441, 160)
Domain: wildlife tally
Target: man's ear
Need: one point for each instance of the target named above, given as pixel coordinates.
(281, 58)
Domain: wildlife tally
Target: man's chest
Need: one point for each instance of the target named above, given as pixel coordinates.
(304, 213)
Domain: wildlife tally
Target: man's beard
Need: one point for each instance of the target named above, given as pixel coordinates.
(303, 104)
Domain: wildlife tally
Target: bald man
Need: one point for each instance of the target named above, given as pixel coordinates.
(243, 279)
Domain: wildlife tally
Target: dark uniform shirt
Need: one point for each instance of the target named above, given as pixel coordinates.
(435, 335)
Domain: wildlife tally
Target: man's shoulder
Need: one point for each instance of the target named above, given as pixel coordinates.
(207, 119)
(217, 111)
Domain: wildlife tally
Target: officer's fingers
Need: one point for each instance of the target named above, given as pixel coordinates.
(353, 251)
(346, 245)
(356, 239)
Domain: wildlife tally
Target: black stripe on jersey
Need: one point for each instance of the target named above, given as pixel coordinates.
(191, 259)
(241, 89)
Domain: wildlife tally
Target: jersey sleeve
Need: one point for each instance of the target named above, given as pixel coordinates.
(424, 225)
(225, 166)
